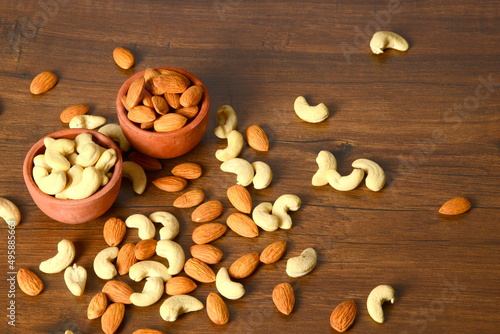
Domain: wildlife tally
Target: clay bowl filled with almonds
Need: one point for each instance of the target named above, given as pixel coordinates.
(163, 111)
(70, 208)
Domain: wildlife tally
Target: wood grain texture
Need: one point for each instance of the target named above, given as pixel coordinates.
(419, 114)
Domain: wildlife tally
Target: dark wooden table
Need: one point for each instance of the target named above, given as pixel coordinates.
(428, 116)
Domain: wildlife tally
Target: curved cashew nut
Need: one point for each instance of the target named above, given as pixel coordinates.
(143, 269)
(311, 114)
(39, 160)
(105, 163)
(228, 121)
(9, 212)
(81, 140)
(88, 185)
(263, 218)
(387, 40)
(283, 204)
(376, 298)
(114, 131)
(64, 257)
(375, 176)
(226, 287)
(345, 183)
(49, 183)
(86, 122)
(103, 266)
(89, 155)
(73, 177)
(170, 224)
(325, 161)
(75, 278)
(135, 173)
(56, 152)
(47, 141)
(263, 175)
(177, 305)
(151, 293)
(174, 254)
(303, 264)
(242, 168)
(234, 146)
(143, 224)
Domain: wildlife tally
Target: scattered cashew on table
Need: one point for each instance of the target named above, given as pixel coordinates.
(9, 212)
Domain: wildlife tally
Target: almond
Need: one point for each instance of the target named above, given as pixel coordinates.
(97, 306)
(123, 99)
(147, 99)
(209, 232)
(126, 258)
(29, 282)
(191, 96)
(257, 138)
(240, 198)
(141, 114)
(149, 75)
(173, 100)
(112, 318)
(123, 58)
(217, 310)
(169, 122)
(206, 253)
(187, 170)
(189, 112)
(145, 249)
(190, 199)
(284, 298)
(70, 112)
(179, 286)
(199, 270)
(160, 105)
(135, 92)
(146, 162)
(242, 225)
(43, 82)
(207, 211)
(244, 266)
(172, 82)
(343, 316)
(455, 206)
(170, 183)
(273, 252)
(113, 231)
(148, 331)
(118, 291)
(147, 125)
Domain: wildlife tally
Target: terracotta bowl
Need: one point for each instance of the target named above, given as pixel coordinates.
(72, 211)
(165, 145)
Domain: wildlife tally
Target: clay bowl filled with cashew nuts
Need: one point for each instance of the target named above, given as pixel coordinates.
(70, 208)
(163, 118)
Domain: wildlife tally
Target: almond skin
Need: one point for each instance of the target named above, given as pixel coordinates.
(217, 309)
(199, 271)
(160, 105)
(147, 99)
(169, 122)
(179, 286)
(206, 253)
(244, 266)
(141, 114)
(149, 75)
(70, 112)
(43, 82)
(171, 83)
(173, 100)
(190, 199)
(208, 232)
(114, 231)
(123, 58)
(240, 198)
(191, 96)
(273, 252)
(145, 249)
(242, 225)
(146, 162)
(97, 306)
(343, 316)
(257, 138)
(118, 291)
(148, 331)
(208, 211)
(126, 258)
(284, 298)
(188, 112)
(170, 183)
(455, 206)
(29, 282)
(135, 92)
(187, 170)
(112, 318)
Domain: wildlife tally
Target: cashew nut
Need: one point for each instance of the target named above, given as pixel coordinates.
(105, 163)
(63, 258)
(283, 204)
(143, 224)
(376, 298)
(375, 176)
(311, 114)
(345, 183)
(234, 146)
(170, 224)
(143, 269)
(151, 293)
(47, 141)
(228, 121)
(49, 183)
(387, 40)
(303, 264)
(9, 212)
(135, 173)
(263, 218)
(114, 131)
(226, 287)
(75, 278)
(89, 183)
(325, 161)
(174, 254)
(86, 122)
(56, 152)
(73, 177)
(81, 140)
(177, 305)
(242, 168)
(263, 175)
(89, 155)
(103, 266)
(39, 160)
